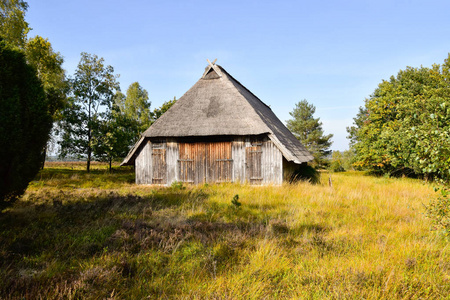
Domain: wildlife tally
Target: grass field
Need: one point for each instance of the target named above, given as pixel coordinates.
(75, 235)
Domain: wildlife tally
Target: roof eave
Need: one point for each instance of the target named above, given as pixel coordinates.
(288, 155)
(129, 160)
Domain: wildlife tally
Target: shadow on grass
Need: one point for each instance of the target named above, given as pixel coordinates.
(57, 241)
(118, 175)
(305, 173)
(75, 225)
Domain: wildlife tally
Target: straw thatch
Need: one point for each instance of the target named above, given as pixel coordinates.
(218, 105)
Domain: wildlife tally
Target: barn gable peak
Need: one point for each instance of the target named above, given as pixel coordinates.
(212, 71)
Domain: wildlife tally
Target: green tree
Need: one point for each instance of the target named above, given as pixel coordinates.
(309, 131)
(136, 105)
(135, 110)
(93, 88)
(48, 64)
(404, 125)
(116, 131)
(158, 112)
(341, 161)
(13, 27)
(25, 124)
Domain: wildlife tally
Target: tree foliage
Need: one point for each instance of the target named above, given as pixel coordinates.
(25, 123)
(48, 64)
(404, 126)
(341, 161)
(134, 110)
(309, 131)
(135, 105)
(39, 54)
(116, 136)
(158, 112)
(13, 27)
(92, 88)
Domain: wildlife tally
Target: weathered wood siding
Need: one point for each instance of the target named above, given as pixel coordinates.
(205, 162)
(191, 164)
(253, 163)
(172, 157)
(219, 165)
(241, 159)
(159, 166)
(143, 164)
(257, 161)
(272, 163)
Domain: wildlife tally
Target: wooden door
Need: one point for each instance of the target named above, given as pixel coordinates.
(253, 156)
(205, 162)
(159, 166)
(219, 163)
(192, 162)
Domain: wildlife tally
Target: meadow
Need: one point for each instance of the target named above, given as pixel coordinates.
(75, 235)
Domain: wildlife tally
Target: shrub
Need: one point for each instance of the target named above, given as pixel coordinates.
(439, 210)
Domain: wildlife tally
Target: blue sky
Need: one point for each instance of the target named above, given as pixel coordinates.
(332, 53)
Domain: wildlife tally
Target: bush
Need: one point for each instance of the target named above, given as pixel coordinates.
(439, 210)
(342, 161)
(25, 124)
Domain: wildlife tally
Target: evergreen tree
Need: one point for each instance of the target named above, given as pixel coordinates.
(25, 123)
(309, 131)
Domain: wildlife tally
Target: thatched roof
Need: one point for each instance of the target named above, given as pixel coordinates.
(218, 105)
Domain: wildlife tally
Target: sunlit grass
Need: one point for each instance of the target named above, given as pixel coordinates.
(98, 235)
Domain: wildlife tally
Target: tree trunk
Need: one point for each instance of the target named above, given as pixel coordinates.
(89, 150)
(44, 155)
(110, 165)
(88, 165)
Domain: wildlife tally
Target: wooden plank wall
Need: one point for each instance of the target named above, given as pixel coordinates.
(143, 165)
(238, 155)
(172, 158)
(219, 163)
(191, 162)
(271, 162)
(201, 162)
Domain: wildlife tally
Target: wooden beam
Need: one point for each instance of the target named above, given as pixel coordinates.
(212, 65)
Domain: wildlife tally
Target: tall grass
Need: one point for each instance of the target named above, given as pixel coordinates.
(75, 235)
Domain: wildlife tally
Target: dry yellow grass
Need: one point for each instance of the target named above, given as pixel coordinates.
(363, 238)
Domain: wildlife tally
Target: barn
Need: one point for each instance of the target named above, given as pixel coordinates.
(218, 131)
